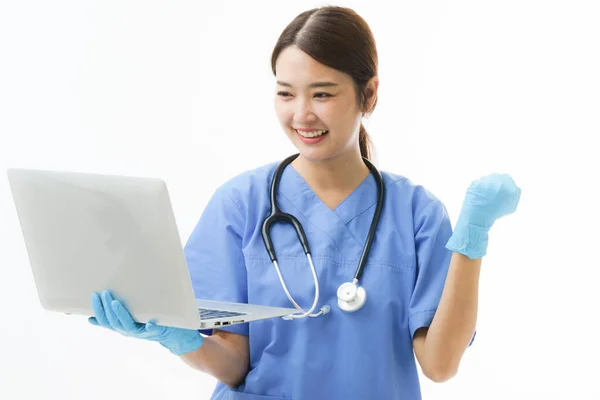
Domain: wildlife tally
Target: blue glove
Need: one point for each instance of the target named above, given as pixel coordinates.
(487, 200)
(112, 314)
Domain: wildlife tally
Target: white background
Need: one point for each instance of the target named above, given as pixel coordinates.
(183, 91)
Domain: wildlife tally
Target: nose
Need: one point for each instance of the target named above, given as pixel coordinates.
(303, 112)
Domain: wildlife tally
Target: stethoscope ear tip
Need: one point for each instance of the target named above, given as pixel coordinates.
(325, 309)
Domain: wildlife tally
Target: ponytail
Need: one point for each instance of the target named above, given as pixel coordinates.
(364, 142)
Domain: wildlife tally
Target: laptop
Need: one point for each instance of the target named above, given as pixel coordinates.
(87, 232)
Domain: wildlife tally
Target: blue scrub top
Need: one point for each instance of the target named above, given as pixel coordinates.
(367, 354)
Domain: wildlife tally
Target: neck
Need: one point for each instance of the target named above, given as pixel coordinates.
(343, 172)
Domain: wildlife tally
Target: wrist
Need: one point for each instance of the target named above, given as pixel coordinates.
(469, 240)
(189, 342)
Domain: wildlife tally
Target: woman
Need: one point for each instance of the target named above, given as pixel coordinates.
(421, 279)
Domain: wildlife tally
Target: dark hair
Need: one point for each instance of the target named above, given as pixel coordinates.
(341, 39)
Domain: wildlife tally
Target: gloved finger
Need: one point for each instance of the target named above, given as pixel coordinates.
(515, 199)
(93, 321)
(157, 331)
(511, 194)
(507, 180)
(110, 314)
(99, 312)
(153, 328)
(125, 318)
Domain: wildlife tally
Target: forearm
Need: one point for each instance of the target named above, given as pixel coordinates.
(221, 359)
(454, 322)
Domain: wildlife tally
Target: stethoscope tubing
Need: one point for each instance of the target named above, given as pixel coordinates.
(276, 215)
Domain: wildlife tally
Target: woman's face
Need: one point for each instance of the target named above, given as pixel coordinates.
(316, 105)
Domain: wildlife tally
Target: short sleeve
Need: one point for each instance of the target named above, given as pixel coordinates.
(214, 255)
(432, 231)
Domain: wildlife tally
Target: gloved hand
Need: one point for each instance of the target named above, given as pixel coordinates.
(112, 314)
(487, 200)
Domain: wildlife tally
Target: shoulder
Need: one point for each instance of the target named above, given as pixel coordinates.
(400, 186)
(250, 184)
(402, 190)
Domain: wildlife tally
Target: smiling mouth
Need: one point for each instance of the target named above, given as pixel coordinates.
(311, 134)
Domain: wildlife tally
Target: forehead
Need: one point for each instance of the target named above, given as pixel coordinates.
(298, 68)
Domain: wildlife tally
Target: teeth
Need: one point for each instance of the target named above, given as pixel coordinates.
(311, 134)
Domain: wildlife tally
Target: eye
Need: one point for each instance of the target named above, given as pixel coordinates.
(283, 94)
(322, 95)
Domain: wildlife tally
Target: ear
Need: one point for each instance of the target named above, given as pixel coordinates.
(371, 94)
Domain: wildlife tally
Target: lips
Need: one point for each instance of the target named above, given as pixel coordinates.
(312, 137)
(311, 133)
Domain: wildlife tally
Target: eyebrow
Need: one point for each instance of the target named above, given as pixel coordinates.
(312, 85)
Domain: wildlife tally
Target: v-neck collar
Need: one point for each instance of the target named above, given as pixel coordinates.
(333, 222)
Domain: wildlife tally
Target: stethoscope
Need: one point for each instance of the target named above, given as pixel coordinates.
(351, 296)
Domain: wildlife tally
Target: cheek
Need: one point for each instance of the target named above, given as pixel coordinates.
(329, 113)
(352, 114)
(283, 112)
(341, 115)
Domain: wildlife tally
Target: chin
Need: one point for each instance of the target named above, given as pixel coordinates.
(313, 153)
(316, 155)
(312, 157)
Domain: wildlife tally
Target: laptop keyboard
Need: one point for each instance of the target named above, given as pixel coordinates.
(211, 314)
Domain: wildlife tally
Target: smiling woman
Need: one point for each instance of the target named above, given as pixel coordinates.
(421, 278)
(326, 62)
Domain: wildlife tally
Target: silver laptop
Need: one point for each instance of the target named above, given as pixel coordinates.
(85, 233)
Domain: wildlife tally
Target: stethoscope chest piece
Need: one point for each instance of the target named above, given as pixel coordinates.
(351, 297)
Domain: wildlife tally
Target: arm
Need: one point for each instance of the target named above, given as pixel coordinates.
(214, 254)
(440, 347)
(224, 355)
(213, 251)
